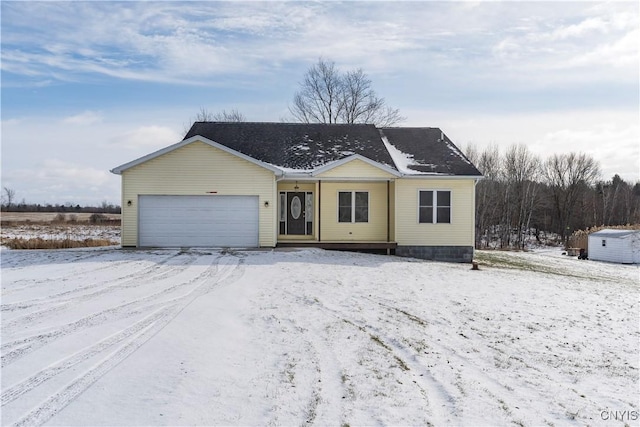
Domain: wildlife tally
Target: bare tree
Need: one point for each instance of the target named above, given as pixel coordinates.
(205, 115)
(520, 171)
(328, 96)
(9, 195)
(361, 104)
(319, 99)
(568, 176)
(231, 116)
(489, 203)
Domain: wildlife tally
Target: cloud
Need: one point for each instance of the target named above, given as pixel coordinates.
(614, 146)
(589, 45)
(11, 122)
(85, 118)
(619, 53)
(611, 137)
(59, 181)
(53, 170)
(589, 25)
(147, 136)
(204, 42)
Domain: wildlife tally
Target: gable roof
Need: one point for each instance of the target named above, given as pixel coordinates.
(313, 148)
(119, 169)
(351, 158)
(420, 150)
(297, 146)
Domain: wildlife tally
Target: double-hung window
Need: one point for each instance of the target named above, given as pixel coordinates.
(434, 207)
(353, 206)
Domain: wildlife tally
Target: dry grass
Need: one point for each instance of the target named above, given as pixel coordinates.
(41, 217)
(61, 231)
(39, 243)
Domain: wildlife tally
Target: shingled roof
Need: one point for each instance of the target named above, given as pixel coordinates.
(426, 151)
(300, 146)
(307, 146)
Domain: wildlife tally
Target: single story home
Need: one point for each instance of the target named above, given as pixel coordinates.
(337, 186)
(620, 246)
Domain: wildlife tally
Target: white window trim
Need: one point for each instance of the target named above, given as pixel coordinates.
(353, 206)
(434, 216)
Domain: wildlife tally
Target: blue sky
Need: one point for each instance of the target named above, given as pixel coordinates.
(87, 86)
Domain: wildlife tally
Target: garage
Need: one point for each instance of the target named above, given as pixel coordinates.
(192, 221)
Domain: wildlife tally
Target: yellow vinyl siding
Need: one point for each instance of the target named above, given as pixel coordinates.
(458, 233)
(374, 230)
(356, 168)
(289, 186)
(196, 169)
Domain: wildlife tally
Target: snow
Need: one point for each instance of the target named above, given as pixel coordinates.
(210, 337)
(455, 151)
(403, 160)
(61, 231)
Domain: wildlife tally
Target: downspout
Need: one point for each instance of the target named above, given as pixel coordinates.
(388, 213)
(319, 210)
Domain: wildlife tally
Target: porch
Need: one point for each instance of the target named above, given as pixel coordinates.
(389, 247)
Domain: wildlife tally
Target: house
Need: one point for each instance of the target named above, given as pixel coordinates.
(621, 246)
(337, 186)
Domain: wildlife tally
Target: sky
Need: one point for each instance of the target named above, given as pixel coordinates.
(88, 86)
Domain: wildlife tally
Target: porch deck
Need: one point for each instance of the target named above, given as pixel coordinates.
(334, 245)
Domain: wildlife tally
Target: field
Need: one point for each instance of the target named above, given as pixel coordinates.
(205, 337)
(40, 217)
(51, 230)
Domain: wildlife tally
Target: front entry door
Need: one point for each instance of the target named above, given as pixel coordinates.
(295, 213)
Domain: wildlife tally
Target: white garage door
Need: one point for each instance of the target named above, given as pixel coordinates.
(209, 221)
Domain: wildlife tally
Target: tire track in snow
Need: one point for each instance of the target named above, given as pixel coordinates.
(40, 315)
(505, 399)
(56, 368)
(58, 401)
(16, 349)
(226, 272)
(59, 296)
(132, 281)
(324, 400)
(67, 272)
(27, 256)
(440, 400)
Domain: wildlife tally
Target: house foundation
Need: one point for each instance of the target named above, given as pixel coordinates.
(437, 253)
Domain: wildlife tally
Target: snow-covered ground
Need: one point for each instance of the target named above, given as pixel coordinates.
(71, 231)
(204, 337)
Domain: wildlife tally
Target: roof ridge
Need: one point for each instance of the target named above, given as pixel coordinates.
(288, 123)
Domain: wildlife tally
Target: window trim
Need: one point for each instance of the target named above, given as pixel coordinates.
(353, 206)
(434, 216)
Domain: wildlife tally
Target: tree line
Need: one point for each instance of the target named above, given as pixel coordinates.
(523, 195)
(8, 204)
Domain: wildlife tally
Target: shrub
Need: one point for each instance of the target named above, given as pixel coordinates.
(73, 218)
(38, 243)
(98, 218)
(60, 218)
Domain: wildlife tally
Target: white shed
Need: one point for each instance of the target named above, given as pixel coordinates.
(621, 246)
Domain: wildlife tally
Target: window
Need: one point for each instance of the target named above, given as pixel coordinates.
(283, 213)
(434, 207)
(353, 206)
